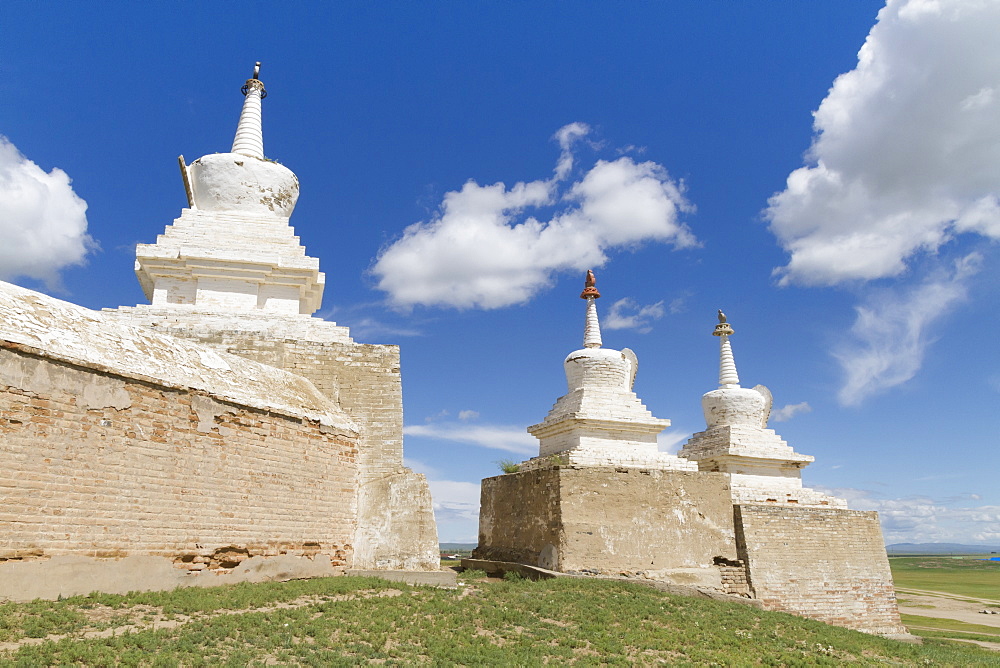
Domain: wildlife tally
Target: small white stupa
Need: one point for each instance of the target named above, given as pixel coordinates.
(762, 467)
(600, 421)
(233, 250)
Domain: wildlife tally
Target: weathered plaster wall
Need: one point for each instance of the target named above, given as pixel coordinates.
(824, 563)
(519, 518)
(396, 527)
(103, 465)
(671, 525)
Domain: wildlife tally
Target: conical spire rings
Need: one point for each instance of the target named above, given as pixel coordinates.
(249, 138)
(728, 377)
(592, 329)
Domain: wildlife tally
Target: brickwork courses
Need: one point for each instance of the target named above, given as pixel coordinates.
(122, 445)
(171, 473)
(824, 563)
(396, 528)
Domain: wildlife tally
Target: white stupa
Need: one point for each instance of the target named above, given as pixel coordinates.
(600, 421)
(233, 249)
(763, 468)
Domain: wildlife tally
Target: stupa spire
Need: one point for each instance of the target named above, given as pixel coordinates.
(727, 365)
(592, 329)
(249, 139)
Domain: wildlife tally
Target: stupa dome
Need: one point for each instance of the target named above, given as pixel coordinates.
(598, 367)
(243, 180)
(734, 406)
(237, 182)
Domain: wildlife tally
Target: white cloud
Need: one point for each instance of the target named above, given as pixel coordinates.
(456, 510)
(678, 304)
(628, 314)
(443, 413)
(497, 437)
(368, 329)
(419, 466)
(922, 519)
(43, 223)
(891, 332)
(907, 148)
(455, 500)
(788, 411)
(468, 415)
(671, 441)
(484, 250)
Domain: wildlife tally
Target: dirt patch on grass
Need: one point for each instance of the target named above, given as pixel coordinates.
(948, 606)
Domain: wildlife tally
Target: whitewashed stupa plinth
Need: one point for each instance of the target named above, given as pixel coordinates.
(763, 468)
(600, 421)
(233, 248)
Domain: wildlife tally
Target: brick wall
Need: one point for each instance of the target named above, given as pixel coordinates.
(824, 563)
(363, 378)
(103, 465)
(396, 527)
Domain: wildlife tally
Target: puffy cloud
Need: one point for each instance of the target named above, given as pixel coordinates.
(484, 250)
(890, 333)
(497, 437)
(671, 441)
(907, 148)
(788, 411)
(468, 415)
(43, 223)
(922, 519)
(628, 314)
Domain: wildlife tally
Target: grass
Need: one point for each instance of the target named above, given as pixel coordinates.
(508, 465)
(955, 635)
(345, 621)
(963, 577)
(943, 624)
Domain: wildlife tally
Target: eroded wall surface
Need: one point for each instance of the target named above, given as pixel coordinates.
(519, 518)
(101, 465)
(824, 563)
(676, 526)
(396, 527)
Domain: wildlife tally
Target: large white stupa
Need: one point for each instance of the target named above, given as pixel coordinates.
(233, 249)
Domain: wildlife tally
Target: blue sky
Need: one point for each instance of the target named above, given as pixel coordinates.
(696, 155)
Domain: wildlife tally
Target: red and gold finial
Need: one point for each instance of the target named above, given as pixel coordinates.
(590, 291)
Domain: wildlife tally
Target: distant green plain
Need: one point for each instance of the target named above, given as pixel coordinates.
(965, 576)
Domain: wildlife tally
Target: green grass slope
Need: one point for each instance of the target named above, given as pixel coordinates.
(345, 621)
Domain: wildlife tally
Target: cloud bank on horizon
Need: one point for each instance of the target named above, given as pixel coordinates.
(925, 519)
(475, 253)
(43, 223)
(906, 157)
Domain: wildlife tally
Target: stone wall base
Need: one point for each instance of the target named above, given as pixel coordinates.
(70, 575)
(827, 564)
(672, 526)
(682, 528)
